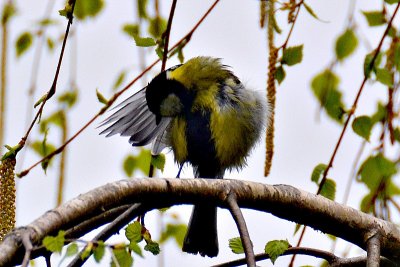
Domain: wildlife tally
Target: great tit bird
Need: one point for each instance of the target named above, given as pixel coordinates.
(208, 118)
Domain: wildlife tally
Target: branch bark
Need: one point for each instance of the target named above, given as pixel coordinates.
(283, 201)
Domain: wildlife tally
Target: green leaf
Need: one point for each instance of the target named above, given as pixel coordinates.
(362, 126)
(42, 148)
(129, 165)
(47, 22)
(144, 41)
(318, 172)
(297, 228)
(136, 248)
(280, 74)
(292, 55)
(384, 76)
(368, 66)
(366, 204)
(98, 251)
(142, 8)
(54, 243)
(101, 98)
(374, 18)
(50, 43)
(153, 247)
(157, 27)
(123, 258)
(67, 10)
(275, 248)
(396, 58)
(9, 10)
(375, 170)
(131, 29)
(140, 162)
(69, 98)
(310, 11)
(235, 244)
(12, 151)
(57, 118)
(275, 25)
(120, 79)
(390, 2)
(328, 189)
(23, 43)
(325, 87)
(381, 113)
(86, 252)
(396, 134)
(72, 249)
(158, 161)
(133, 232)
(176, 231)
(160, 52)
(181, 57)
(346, 44)
(88, 8)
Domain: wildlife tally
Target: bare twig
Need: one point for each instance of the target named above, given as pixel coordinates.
(242, 227)
(293, 23)
(329, 257)
(131, 213)
(34, 72)
(53, 87)
(332, 259)
(167, 34)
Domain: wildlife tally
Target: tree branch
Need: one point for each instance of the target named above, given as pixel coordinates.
(333, 260)
(283, 201)
(373, 250)
(112, 228)
(241, 225)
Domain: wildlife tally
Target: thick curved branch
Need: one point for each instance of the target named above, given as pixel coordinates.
(283, 201)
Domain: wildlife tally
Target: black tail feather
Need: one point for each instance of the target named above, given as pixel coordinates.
(201, 236)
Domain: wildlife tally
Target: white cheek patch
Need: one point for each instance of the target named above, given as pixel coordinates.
(171, 106)
(168, 75)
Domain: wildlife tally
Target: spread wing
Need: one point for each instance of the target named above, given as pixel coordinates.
(133, 118)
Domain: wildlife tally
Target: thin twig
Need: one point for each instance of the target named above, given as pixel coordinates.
(351, 112)
(52, 90)
(333, 260)
(34, 72)
(329, 257)
(242, 227)
(167, 35)
(131, 213)
(353, 173)
(354, 106)
(283, 46)
(115, 97)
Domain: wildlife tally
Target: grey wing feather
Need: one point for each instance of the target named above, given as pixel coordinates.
(134, 119)
(160, 143)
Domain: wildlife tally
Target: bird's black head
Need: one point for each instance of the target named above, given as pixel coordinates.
(164, 95)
